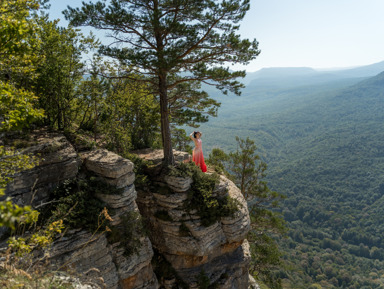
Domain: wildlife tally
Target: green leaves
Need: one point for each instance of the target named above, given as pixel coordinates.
(12, 162)
(60, 71)
(10, 213)
(17, 61)
(17, 106)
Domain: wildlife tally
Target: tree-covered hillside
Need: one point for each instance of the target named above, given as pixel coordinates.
(324, 145)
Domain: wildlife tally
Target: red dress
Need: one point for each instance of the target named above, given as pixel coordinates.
(197, 155)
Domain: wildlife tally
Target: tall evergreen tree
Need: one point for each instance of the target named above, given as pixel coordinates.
(173, 42)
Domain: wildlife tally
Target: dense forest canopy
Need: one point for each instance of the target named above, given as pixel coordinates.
(324, 147)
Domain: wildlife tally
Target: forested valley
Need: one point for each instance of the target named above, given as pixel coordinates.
(322, 138)
(320, 133)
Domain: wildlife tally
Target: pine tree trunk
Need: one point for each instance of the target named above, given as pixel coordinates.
(165, 129)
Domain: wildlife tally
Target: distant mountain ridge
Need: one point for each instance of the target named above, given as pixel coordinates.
(377, 80)
(363, 71)
(287, 75)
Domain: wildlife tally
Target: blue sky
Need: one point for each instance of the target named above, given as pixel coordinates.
(311, 33)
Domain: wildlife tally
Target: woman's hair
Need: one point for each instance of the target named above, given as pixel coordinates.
(195, 132)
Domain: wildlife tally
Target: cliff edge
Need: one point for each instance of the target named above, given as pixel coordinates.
(181, 243)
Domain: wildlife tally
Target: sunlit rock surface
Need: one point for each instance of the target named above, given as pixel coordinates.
(58, 162)
(219, 250)
(89, 255)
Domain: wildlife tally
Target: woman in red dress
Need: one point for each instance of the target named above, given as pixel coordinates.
(197, 155)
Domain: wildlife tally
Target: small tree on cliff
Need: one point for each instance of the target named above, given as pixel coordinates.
(248, 172)
(173, 42)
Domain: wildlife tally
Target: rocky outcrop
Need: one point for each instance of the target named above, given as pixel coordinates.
(133, 270)
(89, 255)
(218, 251)
(82, 254)
(58, 162)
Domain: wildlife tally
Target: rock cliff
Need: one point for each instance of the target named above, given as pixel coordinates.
(91, 256)
(177, 235)
(217, 252)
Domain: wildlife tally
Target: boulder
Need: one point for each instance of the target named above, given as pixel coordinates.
(107, 164)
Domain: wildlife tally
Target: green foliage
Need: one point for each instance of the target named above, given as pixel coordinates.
(75, 203)
(200, 197)
(17, 107)
(128, 233)
(180, 140)
(10, 213)
(131, 113)
(247, 171)
(182, 170)
(116, 111)
(203, 280)
(59, 71)
(190, 106)
(90, 100)
(38, 240)
(140, 166)
(209, 207)
(81, 140)
(17, 62)
(217, 159)
(266, 257)
(12, 162)
(17, 41)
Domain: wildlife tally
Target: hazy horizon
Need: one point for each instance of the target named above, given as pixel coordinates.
(326, 35)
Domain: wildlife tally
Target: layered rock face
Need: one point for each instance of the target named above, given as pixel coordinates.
(58, 162)
(91, 256)
(134, 270)
(218, 252)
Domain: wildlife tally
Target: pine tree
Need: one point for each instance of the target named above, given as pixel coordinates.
(172, 43)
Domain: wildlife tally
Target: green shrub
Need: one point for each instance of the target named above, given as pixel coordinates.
(140, 166)
(75, 203)
(210, 208)
(203, 280)
(128, 233)
(200, 198)
(184, 170)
